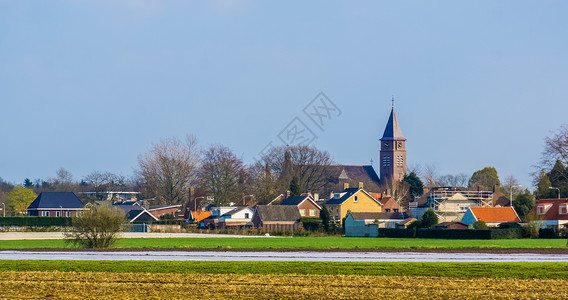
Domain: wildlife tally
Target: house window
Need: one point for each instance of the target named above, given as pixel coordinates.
(563, 210)
(388, 210)
(246, 215)
(312, 212)
(395, 210)
(68, 213)
(356, 199)
(540, 210)
(45, 214)
(58, 214)
(302, 212)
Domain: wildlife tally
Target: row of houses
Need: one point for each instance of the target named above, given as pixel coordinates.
(67, 204)
(354, 206)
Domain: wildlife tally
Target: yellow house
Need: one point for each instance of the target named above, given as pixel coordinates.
(354, 200)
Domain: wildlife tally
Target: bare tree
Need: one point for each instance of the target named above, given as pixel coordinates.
(308, 164)
(457, 180)
(101, 182)
(399, 191)
(556, 149)
(96, 228)
(223, 174)
(511, 187)
(168, 169)
(62, 182)
(263, 182)
(430, 176)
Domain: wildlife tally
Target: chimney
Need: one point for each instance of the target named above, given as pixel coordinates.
(345, 185)
(360, 185)
(316, 197)
(287, 194)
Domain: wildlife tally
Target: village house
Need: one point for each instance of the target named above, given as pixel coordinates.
(553, 213)
(276, 218)
(352, 200)
(55, 204)
(306, 205)
(492, 216)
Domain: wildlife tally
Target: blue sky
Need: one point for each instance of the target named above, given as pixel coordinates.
(90, 85)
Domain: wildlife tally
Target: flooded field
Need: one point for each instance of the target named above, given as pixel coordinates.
(340, 256)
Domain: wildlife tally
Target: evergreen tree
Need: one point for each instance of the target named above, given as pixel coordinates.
(28, 183)
(325, 218)
(524, 203)
(543, 190)
(295, 188)
(416, 187)
(485, 178)
(429, 219)
(558, 179)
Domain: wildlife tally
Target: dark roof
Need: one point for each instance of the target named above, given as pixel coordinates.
(502, 201)
(56, 200)
(446, 224)
(338, 200)
(140, 215)
(392, 130)
(352, 174)
(128, 206)
(380, 215)
(278, 213)
(293, 200)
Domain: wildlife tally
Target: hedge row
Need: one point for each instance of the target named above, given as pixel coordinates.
(35, 221)
(469, 234)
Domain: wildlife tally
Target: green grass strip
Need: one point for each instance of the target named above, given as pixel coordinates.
(460, 270)
(300, 243)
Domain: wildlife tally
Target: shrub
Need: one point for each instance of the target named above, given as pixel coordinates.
(311, 224)
(429, 219)
(97, 227)
(480, 225)
(169, 216)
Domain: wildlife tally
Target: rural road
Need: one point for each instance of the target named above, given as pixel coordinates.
(282, 256)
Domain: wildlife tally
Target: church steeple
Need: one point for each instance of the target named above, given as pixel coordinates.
(392, 131)
(392, 159)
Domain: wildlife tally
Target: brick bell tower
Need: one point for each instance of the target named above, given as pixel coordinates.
(392, 157)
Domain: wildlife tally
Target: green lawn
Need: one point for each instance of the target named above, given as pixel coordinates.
(300, 243)
(462, 270)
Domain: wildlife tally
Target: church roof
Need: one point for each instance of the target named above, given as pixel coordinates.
(352, 174)
(392, 131)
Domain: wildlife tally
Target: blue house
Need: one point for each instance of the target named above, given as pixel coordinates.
(55, 204)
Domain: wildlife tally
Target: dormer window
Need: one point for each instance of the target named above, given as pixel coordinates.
(563, 209)
(541, 209)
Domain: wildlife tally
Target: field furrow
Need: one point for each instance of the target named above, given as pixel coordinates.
(74, 285)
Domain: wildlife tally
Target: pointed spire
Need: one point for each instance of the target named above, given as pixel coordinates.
(392, 130)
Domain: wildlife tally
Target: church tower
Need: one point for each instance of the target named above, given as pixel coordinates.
(392, 157)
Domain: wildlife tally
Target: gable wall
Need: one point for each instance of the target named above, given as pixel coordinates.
(307, 205)
(364, 203)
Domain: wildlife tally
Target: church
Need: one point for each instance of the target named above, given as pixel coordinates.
(392, 164)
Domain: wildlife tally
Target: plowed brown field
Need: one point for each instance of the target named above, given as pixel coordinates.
(73, 285)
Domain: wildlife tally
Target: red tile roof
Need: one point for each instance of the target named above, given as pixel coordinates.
(200, 215)
(495, 214)
(553, 213)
